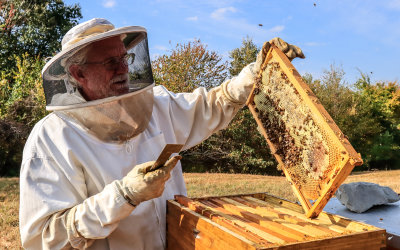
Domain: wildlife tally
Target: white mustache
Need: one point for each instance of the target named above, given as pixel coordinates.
(119, 78)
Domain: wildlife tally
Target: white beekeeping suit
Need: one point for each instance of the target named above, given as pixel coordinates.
(75, 158)
(84, 179)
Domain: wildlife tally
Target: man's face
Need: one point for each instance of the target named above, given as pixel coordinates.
(100, 80)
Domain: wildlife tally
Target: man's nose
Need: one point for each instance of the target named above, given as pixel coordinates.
(123, 67)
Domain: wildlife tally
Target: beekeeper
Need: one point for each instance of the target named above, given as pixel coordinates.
(85, 179)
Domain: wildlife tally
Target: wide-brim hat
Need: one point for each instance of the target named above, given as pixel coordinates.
(86, 33)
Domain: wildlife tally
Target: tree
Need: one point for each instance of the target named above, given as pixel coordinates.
(30, 30)
(382, 148)
(345, 107)
(21, 106)
(239, 148)
(23, 102)
(35, 27)
(338, 99)
(367, 113)
(242, 56)
(189, 66)
(246, 150)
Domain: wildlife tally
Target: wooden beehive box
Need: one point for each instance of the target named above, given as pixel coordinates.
(261, 221)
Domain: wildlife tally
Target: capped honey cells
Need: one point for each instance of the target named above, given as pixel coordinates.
(315, 156)
(291, 127)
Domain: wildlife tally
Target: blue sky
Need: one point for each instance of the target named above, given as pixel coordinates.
(357, 35)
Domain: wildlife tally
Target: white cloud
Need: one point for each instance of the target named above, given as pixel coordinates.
(277, 29)
(192, 18)
(160, 47)
(220, 13)
(236, 26)
(109, 3)
(313, 44)
(370, 19)
(394, 4)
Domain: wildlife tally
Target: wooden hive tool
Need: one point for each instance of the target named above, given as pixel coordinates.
(168, 150)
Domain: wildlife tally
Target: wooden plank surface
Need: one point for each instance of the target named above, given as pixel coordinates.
(188, 230)
(230, 225)
(265, 220)
(265, 233)
(324, 219)
(252, 223)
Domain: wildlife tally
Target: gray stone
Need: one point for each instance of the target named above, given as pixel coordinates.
(361, 196)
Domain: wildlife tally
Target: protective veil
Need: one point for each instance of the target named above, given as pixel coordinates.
(111, 119)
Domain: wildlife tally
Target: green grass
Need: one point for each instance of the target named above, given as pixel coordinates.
(198, 185)
(201, 185)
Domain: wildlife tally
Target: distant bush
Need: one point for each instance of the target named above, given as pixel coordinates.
(367, 113)
(22, 104)
(12, 139)
(239, 148)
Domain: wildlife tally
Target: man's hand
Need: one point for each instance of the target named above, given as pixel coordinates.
(291, 51)
(140, 184)
(238, 88)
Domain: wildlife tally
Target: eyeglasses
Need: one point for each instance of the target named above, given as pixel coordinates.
(114, 62)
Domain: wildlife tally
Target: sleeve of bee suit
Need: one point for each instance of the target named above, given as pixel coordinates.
(238, 88)
(196, 116)
(54, 199)
(58, 214)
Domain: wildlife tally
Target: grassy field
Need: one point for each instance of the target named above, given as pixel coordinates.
(198, 185)
(9, 201)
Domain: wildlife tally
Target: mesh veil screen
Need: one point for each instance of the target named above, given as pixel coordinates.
(56, 83)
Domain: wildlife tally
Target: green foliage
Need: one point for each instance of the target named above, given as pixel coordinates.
(242, 56)
(23, 101)
(382, 143)
(237, 149)
(189, 66)
(246, 150)
(34, 27)
(367, 113)
(29, 31)
(22, 104)
(344, 106)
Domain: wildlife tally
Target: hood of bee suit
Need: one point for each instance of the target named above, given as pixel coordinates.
(113, 118)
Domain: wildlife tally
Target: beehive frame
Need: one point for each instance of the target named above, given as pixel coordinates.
(315, 156)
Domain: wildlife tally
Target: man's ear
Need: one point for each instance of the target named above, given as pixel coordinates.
(77, 73)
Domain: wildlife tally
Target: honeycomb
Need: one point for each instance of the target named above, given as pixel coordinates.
(299, 135)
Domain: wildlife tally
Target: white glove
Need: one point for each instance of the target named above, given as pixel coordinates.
(238, 88)
(140, 184)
